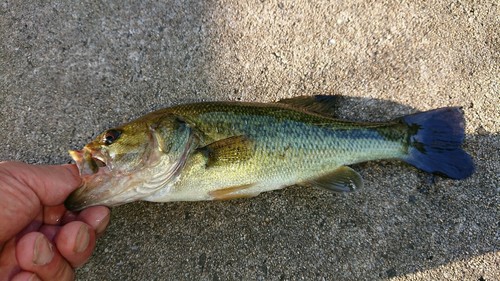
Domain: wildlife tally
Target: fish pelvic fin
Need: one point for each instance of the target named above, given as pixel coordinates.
(233, 192)
(227, 151)
(434, 142)
(343, 179)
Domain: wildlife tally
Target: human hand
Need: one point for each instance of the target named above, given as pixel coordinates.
(39, 238)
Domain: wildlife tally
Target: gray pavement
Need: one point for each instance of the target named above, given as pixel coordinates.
(70, 69)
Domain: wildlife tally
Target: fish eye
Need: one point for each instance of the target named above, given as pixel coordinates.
(111, 136)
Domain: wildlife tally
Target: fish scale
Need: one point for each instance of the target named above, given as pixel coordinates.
(286, 151)
(226, 150)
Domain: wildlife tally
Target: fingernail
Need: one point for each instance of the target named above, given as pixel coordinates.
(82, 239)
(102, 224)
(43, 251)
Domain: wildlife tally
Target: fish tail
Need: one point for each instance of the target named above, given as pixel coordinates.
(434, 142)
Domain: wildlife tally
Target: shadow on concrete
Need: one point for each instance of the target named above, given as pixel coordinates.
(73, 69)
(404, 221)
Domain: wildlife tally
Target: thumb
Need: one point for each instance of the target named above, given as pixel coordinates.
(51, 183)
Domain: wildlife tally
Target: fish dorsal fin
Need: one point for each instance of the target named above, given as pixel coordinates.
(343, 179)
(226, 151)
(321, 104)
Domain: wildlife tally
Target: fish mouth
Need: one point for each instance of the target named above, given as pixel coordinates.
(94, 167)
(90, 162)
(99, 181)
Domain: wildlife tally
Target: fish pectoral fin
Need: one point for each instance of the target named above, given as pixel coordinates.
(324, 105)
(232, 192)
(226, 151)
(343, 179)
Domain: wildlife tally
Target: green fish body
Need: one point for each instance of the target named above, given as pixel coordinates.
(225, 150)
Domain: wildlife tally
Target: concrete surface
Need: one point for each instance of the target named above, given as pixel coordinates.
(70, 69)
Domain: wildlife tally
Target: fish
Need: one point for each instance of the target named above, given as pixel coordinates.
(228, 150)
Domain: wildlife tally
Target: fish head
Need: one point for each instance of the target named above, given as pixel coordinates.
(131, 162)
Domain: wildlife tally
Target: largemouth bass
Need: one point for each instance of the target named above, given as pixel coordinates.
(225, 150)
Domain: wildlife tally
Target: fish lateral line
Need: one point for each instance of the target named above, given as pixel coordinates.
(225, 150)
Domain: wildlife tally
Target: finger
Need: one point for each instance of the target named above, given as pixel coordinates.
(25, 276)
(51, 183)
(8, 262)
(32, 225)
(36, 254)
(69, 216)
(76, 242)
(19, 206)
(97, 217)
(50, 231)
(53, 214)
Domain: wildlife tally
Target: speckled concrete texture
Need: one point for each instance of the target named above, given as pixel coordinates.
(70, 69)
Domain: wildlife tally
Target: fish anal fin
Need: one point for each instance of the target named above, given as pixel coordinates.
(232, 192)
(227, 151)
(343, 179)
(320, 104)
